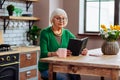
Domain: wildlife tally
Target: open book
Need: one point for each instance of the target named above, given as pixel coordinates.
(77, 45)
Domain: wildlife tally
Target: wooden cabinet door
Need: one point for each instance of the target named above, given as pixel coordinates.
(28, 74)
(28, 59)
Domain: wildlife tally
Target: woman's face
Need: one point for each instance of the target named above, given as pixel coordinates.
(59, 21)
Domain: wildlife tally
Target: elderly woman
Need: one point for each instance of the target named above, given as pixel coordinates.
(54, 37)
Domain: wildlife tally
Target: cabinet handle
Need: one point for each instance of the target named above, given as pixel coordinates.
(3, 65)
(28, 56)
(28, 73)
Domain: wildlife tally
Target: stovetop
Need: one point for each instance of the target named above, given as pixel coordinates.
(5, 47)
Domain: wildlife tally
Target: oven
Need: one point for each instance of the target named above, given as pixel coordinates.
(9, 67)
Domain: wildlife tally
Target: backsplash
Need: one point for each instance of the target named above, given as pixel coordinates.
(16, 30)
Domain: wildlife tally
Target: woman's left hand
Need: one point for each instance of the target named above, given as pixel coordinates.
(85, 51)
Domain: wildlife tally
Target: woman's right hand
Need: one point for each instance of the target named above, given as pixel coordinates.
(69, 53)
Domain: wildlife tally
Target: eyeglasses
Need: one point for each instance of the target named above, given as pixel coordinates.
(60, 19)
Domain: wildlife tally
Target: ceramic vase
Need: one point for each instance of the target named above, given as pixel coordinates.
(110, 47)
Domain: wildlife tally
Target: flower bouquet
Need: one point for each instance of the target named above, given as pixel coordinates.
(110, 34)
(110, 46)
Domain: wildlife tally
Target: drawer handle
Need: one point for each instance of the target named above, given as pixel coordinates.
(28, 56)
(74, 68)
(28, 73)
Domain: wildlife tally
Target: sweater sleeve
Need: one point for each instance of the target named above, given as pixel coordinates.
(43, 44)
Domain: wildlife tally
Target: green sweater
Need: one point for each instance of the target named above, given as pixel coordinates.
(48, 43)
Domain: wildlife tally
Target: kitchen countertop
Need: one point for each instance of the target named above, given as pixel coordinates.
(21, 49)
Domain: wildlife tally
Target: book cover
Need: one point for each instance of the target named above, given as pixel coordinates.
(77, 45)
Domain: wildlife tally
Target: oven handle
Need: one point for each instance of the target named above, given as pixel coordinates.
(9, 64)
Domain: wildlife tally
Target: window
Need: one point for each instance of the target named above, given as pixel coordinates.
(93, 13)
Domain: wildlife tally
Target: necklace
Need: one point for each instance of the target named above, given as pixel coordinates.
(57, 33)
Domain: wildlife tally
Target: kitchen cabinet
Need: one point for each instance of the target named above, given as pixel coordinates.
(29, 65)
(24, 59)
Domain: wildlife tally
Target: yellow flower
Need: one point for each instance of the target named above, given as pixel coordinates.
(110, 34)
(104, 27)
(111, 27)
(117, 27)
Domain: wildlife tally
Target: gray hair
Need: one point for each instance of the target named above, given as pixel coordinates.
(58, 11)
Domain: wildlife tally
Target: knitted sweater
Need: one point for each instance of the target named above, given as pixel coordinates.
(49, 43)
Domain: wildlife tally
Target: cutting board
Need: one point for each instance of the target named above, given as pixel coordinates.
(1, 37)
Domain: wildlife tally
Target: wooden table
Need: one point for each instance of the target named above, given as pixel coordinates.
(102, 65)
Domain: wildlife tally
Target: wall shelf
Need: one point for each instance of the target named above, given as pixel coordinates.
(8, 18)
(28, 3)
(19, 18)
(1, 3)
(32, 0)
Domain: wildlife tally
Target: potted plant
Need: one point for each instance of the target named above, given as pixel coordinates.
(110, 35)
(33, 34)
(10, 9)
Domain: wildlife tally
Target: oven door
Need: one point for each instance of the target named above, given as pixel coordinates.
(9, 71)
